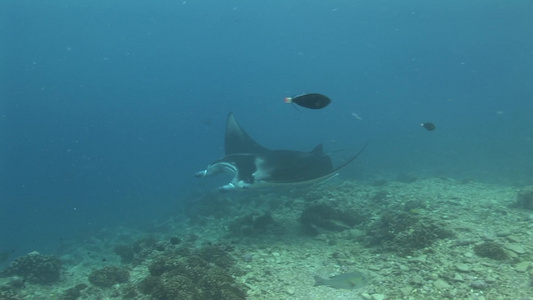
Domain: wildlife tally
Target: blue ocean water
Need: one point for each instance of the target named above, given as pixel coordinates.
(107, 108)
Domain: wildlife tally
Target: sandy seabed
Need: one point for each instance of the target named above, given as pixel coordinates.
(279, 259)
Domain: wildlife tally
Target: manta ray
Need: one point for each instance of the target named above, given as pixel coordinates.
(253, 165)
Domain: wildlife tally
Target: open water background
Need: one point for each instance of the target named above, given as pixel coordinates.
(107, 108)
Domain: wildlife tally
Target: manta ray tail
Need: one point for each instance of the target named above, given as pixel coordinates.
(352, 158)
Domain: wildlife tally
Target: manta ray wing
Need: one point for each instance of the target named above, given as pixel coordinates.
(293, 167)
(286, 166)
(238, 141)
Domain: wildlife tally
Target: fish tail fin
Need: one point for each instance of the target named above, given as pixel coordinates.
(296, 107)
(319, 280)
(289, 100)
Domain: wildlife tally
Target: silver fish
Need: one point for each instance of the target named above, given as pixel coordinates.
(352, 280)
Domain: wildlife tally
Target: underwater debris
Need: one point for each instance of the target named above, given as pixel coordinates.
(109, 276)
(35, 268)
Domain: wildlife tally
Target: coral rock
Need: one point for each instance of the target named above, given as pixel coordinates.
(35, 268)
(109, 276)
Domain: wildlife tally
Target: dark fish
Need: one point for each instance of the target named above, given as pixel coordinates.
(429, 126)
(312, 101)
(351, 280)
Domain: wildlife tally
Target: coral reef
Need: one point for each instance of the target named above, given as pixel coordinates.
(524, 198)
(16, 282)
(414, 206)
(388, 226)
(403, 233)
(312, 195)
(327, 217)
(380, 197)
(164, 264)
(129, 291)
(201, 274)
(9, 295)
(490, 250)
(176, 287)
(109, 276)
(174, 240)
(138, 250)
(221, 286)
(217, 254)
(35, 268)
(10, 289)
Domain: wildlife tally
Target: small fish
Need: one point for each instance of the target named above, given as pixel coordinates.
(352, 280)
(312, 101)
(429, 126)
